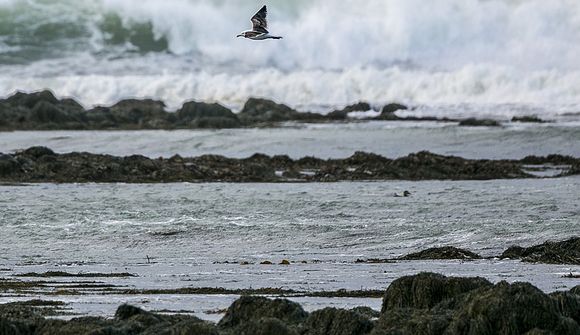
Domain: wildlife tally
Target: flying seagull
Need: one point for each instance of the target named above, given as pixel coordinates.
(260, 27)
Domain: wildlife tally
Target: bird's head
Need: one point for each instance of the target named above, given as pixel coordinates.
(241, 35)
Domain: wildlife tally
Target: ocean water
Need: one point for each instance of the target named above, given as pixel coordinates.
(390, 139)
(190, 231)
(494, 58)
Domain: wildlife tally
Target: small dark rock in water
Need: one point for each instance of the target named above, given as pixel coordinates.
(527, 119)
(337, 322)
(564, 252)
(426, 290)
(441, 253)
(249, 308)
(203, 115)
(343, 113)
(473, 122)
(388, 111)
(263, 110)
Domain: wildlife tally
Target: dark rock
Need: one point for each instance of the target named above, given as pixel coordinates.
(388, 112)
(203, 115)
(44, 112)
(441, 253)
(248, 308)
(564, 252)
(262, 110)
(367, 312)
(343, 113)
(393, 107)
(473, 122)
(37, 152)
(527, 119)
(30, 100)
(426, 290)
(575, 290)
(137, 112)
(413, 321)
(510, 309)
(334, 321)
(568, 304)
(265, 326)
(8, 165)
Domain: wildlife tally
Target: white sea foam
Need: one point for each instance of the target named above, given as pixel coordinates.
(437, 53)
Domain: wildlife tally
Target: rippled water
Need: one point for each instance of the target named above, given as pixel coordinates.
(189, 230)
(391, 139)
(234, 222)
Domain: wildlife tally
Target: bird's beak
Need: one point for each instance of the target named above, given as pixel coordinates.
(239, 36)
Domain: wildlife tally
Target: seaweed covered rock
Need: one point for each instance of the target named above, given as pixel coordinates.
(510, 309)
(336, 322)
(425, 290)
(441, 253)
(249, 308)
(563, 252)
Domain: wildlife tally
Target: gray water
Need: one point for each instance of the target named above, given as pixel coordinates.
(391, 139)
(189, 231)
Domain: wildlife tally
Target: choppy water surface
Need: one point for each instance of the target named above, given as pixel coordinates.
(189, 231)
(391, 139)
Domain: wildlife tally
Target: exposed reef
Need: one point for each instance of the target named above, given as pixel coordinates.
(425, 303)
(43, 111)
(41, 164)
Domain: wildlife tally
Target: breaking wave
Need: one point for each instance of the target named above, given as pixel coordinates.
(334, 52)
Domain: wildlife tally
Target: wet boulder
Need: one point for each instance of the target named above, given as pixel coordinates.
(46, 112)
(8, 165)
(37, 152)
(510, 309)
(266, 111)
(563, 252)
(388, 111)
(343, 113)
(250, 308)
(441, 253)
(333, 321)
(204, 115)
(138, 112)
(30, 100)
(425, 290)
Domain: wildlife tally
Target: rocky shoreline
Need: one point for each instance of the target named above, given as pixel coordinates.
(43, 111)
(40, 164)
(426, 303)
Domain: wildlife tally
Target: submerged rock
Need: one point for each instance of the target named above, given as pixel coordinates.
(564, 252)
(473, 122)
(441, 253)
(528, 119)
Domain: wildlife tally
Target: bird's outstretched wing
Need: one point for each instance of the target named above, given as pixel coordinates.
(259, 21)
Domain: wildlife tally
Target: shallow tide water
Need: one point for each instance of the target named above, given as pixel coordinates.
(197, 235)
